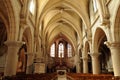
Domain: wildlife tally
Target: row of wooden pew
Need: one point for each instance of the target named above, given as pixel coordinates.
(1, 75)
(45, 76)
(53, 76)
(79, 76)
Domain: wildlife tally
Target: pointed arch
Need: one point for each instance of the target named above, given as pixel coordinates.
(98, 36)
(86, 49)
(63, 36)
(12, 19)
(5, 23)
(115, 21)
(28, 38)
(116, 28)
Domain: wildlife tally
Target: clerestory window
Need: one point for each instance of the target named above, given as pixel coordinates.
(94, 6)
(32, 6)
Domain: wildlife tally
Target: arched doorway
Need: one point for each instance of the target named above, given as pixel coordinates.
(105, 57)
(103, 51)
(27, 37)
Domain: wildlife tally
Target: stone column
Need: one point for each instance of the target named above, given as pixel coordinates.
(12, 57)
(115, 54)
(95, 63)
(78, 67)
(85, 65)
(110, 65)
(30, 61)
(77, 58)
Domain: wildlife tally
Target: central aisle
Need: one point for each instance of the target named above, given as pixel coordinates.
(62, 78)
(61, 75)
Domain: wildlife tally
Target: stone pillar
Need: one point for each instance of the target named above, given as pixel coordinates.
(95, 63)
(85, 65)
(78, 69)
(30, 61)
(115, 54)
(110, 65)
(12, 57)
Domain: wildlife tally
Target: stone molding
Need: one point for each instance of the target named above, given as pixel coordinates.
(112, 44)
(14, 43)
(94, 55)
(115, 45)
(30, 54)
(85, 58)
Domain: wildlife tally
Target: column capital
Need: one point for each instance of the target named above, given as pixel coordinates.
(12, 57)
(14, 43)
(30, 53)
(112, 44)
(85, 58)
(94, 55)
(105, 22)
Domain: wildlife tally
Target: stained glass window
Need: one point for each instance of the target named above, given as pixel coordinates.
(52, 50)
(61, 50)
(69, 50)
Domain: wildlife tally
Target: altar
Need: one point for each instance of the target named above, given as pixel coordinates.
(61, 75)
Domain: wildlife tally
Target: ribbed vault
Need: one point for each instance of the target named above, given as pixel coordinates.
(63, 17)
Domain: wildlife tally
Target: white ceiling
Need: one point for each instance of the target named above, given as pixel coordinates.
(63, 16)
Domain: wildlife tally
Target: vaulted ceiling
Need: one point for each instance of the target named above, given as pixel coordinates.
(64, 17)
(59, 17)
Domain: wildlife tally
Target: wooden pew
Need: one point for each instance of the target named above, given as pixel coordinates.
(70, 76)
(78, 76)
(44, 76)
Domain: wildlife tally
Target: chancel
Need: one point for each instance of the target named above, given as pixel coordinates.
(43, 39)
